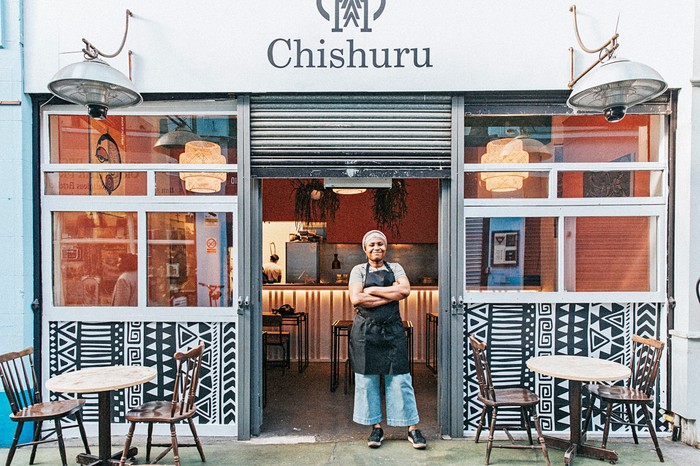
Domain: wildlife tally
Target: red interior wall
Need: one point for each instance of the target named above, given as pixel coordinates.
(354, 217)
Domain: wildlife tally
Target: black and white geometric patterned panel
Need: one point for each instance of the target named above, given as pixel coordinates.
(517, 332)
(77, 345)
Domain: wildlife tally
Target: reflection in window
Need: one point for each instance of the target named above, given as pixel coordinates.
(557, 139)
(92, 252)
(511, 253)
(189, 259)
(138, 139)
(610, 253)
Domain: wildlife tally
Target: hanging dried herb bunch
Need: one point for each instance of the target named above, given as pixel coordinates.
(313, 203)
(390, 206)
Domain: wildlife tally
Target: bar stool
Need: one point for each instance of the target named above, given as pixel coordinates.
(339, 328)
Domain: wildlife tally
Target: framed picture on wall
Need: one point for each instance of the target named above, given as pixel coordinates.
(504, 248)
(172, 270)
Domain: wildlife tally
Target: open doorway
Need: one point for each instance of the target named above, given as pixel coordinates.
(315, 261)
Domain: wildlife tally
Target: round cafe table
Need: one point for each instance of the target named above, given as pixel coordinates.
(578, 369)
(102, 380)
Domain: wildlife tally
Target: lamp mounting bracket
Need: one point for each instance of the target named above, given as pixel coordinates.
(604, 52)
(91, 52)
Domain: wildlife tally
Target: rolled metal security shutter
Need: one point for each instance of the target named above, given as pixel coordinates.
(341, 135)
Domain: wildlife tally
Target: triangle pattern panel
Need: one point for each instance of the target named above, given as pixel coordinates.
(210, 383)
(476, 319)
(228, 372)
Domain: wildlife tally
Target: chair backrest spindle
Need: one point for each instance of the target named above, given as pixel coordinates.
(15, 370)
(646, 355)
(186, 379)
(483, 372)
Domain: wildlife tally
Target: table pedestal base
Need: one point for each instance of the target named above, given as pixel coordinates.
(94, 460)
(572, 450)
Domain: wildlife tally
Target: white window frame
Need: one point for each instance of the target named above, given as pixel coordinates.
(142, 205)
(561, 208)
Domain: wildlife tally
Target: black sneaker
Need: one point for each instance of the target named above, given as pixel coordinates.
(375, 438)
(417, 439)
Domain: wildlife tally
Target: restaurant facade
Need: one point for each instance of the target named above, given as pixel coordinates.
(583, 237)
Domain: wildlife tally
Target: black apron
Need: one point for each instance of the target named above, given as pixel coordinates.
(377, 337)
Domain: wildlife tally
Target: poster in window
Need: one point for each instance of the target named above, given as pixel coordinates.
(107, 142)
(504, 248)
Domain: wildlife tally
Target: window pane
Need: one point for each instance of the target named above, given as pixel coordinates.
(567, 138)
(610, 184)
(518, 253)
(94, 257)
(189, 259)
(212, 184)
(96, 183)
(610, 253)
(137, 139)
(506, 185)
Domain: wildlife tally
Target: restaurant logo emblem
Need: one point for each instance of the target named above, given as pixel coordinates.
(355, 13)
(350, 52)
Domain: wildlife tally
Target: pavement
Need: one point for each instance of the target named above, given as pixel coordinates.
(396, 450)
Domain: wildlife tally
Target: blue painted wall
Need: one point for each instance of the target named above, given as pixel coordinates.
(16, 241)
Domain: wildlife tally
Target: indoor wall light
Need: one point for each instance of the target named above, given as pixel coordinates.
(615, 85)
(202, 152)
(94, 83)
(504, 151)
(355, 185)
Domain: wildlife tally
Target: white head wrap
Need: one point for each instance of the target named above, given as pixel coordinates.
(372, 233)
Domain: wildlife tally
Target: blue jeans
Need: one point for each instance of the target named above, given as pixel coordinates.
(401, 407)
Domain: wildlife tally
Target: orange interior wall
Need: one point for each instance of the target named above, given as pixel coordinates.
(354, 217)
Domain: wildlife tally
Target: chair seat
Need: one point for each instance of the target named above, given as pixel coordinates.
(512, 397)
(48, 410)
(158, 411)
(617, 393)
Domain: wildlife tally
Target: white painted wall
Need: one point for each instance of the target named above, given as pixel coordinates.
(181, 46)
(277, 233)
(685, 390)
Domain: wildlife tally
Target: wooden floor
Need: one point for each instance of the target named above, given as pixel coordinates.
(302, 404)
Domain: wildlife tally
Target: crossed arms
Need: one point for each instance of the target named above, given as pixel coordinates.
(374, 296)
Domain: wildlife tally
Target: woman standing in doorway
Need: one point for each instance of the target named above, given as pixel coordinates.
(378, 344)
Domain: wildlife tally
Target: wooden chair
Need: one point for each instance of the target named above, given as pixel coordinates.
(637, 391)
(274, 336)
(495, 398)
(20, 384)
(181, 407)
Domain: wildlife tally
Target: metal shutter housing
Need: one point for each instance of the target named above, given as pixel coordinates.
(350, 135)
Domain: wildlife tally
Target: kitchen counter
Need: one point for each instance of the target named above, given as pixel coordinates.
(325, 303)
(323, 286)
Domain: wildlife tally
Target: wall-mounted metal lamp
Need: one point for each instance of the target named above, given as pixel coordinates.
(613, 86)
(355, 185)
(94, 83)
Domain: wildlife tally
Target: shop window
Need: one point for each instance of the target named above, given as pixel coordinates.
(558, 140)
(515, 253)
(610, 253)
(506, 185)
(92, 251)
(189, 259)
(216, 184)
(610, 184)
(95, 183)
(168, 140)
